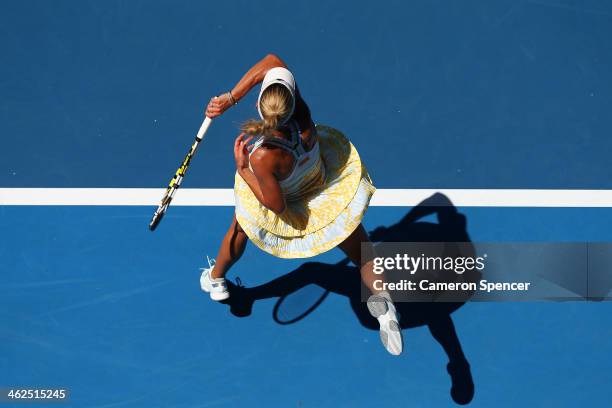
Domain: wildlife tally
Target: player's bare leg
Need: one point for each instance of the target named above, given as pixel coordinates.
(380, 304)
(231, 249)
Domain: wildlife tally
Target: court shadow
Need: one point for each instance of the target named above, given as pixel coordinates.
(344, 279)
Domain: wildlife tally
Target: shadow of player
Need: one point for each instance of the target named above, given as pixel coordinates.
(344, 279)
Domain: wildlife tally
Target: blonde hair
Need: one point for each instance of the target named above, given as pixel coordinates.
(275, 105)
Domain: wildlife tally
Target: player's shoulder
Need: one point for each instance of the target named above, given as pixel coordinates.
(265, 157)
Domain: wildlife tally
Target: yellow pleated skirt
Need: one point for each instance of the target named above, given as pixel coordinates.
(320, 220)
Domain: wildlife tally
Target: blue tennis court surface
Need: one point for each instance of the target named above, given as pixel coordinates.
(434, 94)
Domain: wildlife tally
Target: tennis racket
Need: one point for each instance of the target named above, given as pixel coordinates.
(175, 183)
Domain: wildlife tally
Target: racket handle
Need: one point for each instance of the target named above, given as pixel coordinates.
(203, 128)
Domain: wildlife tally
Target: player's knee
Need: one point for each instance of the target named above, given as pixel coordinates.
(367, 264)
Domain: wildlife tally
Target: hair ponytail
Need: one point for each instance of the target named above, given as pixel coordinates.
(275, 104)
(253, 127)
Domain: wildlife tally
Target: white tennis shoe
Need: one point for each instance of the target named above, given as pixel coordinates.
(216, 287)
(383, 309)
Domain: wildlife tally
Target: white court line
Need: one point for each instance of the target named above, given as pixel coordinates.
(382, 197)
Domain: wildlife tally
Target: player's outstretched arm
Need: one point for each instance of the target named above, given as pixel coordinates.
(221, 103)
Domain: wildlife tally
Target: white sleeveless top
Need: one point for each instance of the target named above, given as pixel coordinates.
(308, 172)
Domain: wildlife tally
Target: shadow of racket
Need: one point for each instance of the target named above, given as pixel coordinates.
(290, 308)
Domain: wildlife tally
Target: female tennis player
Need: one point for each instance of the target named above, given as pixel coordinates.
(300, 189)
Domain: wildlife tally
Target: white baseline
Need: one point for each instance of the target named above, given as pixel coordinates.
(382, 197)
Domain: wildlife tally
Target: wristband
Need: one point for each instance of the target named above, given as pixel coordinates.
(232, 99)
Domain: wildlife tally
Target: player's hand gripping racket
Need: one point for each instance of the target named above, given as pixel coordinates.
(175, 183)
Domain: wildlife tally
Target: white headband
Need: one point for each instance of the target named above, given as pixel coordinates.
(283, 76)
